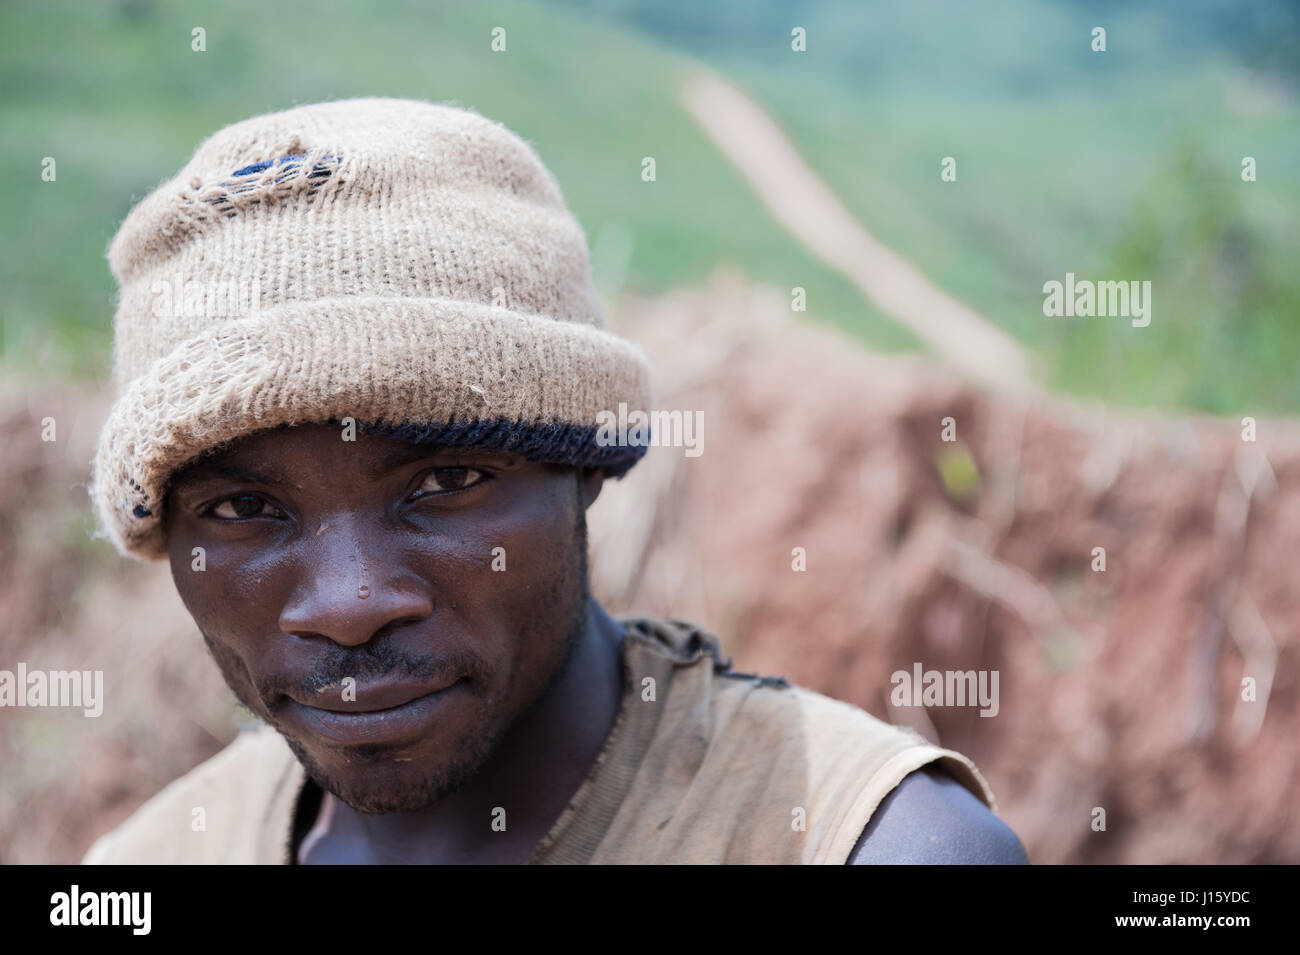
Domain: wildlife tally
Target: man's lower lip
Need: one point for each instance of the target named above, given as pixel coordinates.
(410, 720)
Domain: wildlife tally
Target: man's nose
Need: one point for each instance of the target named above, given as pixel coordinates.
(349, 590)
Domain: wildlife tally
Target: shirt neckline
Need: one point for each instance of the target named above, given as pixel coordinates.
(582, 794)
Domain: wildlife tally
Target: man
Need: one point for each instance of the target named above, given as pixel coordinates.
(371, 479)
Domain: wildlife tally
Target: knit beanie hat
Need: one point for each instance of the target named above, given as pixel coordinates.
(409, 265)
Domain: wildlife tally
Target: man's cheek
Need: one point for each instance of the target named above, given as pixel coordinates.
(204, 607)
(237, 674)
(204, 598)
(226, 592)
(527, 589)
(199, 575)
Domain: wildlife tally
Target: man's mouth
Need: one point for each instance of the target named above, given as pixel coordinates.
(348, 697)
(374, 713)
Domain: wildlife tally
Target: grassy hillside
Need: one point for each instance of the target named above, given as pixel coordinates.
(114, 93)
(1122, 165)
(1117, 165)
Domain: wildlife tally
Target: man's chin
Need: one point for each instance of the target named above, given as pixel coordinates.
(416, 797)
(376, 778)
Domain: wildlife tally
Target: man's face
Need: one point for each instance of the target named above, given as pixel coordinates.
(390, 608)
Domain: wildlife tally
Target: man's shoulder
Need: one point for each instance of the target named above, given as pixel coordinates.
(771, 715)
(924, 803)
(835, 730)
(794, 760)
(203, 814)
(936, 808)
(929, 819)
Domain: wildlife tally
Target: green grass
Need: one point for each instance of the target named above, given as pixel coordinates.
(1122, 165)
(114, 93)
(1135, 198)
(1115, 165)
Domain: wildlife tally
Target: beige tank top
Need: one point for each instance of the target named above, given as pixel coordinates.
(703, 765)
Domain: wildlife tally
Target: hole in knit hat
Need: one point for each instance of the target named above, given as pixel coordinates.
(269, 180)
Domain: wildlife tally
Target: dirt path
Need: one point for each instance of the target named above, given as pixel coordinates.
(815, 216)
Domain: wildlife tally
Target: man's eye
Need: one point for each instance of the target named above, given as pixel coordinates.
(242, 506)
(443, 480)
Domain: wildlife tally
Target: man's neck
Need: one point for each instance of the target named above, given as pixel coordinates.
(540, 763)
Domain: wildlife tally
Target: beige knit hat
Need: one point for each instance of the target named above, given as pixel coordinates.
(406, 264)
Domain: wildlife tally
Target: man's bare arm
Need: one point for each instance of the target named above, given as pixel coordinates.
(930, 818)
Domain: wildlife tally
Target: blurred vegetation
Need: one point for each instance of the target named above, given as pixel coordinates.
(1122, 165)
(1117, 165)
(115, 94)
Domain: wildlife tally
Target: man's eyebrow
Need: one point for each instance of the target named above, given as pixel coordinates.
(392, 457)
(396, 456)
(219, 470)
(377, 464)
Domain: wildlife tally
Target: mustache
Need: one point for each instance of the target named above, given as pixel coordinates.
(374, 663)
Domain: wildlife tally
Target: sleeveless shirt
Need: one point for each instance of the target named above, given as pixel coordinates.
(703, 765)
